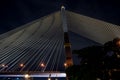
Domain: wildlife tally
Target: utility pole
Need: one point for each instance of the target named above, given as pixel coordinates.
(67, 45)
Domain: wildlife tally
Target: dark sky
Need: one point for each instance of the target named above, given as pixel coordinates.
(14, 13)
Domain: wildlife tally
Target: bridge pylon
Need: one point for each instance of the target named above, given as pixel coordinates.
(67, 44)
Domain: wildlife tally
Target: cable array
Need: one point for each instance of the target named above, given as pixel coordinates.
(38, 47)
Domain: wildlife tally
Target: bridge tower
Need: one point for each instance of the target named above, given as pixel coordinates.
(67, 45)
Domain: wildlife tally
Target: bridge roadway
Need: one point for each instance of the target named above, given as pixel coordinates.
(33, 74)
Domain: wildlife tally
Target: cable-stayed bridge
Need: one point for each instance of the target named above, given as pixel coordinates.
(35, 48)
(35, 43)
(38, 47)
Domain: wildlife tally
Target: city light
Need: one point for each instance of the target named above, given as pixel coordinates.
(56, 79)
(114, 69)
(27, 76)
(98, 79)
(9, 78)
(49, 78)
(118, 56)
(118, 43)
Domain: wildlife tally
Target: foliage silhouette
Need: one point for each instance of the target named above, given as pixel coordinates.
(97, 62)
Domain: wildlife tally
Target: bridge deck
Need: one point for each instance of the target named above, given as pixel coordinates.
(32, 74)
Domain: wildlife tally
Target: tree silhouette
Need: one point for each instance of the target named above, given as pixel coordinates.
(97, 62)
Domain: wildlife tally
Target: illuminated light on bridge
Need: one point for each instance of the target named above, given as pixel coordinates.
(22, 65)
(3, 65)
(27, 76)
(42, 65)
(49, 78)
(65, 64)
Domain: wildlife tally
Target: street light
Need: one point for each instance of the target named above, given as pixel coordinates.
(56, 79)
(21, 65)
(27, 76)
(49, 78)
(42, 65)
(98, 79)
(3, 65)
(65, 64)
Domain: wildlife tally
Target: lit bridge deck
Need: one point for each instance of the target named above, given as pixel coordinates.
(32, 74)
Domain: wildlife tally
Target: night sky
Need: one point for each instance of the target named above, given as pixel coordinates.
(14, 13)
